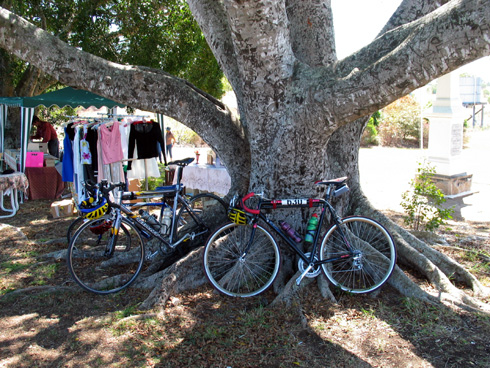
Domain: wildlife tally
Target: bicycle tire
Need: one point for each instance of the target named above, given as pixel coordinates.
(72, 229)
(97, 272)
(208, 208)
(229, 272)
(375, 255)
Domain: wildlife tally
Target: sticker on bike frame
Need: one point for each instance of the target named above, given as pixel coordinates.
(301, 202)
(294, 202)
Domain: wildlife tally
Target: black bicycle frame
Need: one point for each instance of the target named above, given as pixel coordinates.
(301, 203)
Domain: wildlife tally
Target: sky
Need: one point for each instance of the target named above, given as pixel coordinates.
(357, 22)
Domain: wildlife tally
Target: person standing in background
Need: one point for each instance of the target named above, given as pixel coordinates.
(47, 133)
(169, 142)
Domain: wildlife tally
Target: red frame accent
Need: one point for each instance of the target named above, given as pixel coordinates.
(249, 210)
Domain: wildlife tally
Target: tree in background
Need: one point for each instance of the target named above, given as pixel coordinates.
(301, 110)
(163, 35)
(400, 123)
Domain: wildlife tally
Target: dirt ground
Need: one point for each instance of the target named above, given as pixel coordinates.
(47, 321)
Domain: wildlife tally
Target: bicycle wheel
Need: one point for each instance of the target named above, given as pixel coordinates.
(74, 227)
(372, 261)
(100, 266)
(237, 274)
(203, 213)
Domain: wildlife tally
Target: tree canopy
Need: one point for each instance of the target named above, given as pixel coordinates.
(162, 35)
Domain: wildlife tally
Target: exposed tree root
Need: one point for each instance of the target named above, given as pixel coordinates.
(185, 274)
(435, 266)
(41, 289)
(290, 290)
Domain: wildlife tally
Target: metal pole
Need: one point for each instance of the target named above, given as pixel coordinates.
(482, 113)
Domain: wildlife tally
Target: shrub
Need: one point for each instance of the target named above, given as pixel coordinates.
(153, 183)
(400, 123)
(370, 135)
(423, 204)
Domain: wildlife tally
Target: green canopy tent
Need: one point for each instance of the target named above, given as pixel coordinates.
(64, 97)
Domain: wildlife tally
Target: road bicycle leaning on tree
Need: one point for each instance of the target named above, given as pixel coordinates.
(107, 253)
(242, 258)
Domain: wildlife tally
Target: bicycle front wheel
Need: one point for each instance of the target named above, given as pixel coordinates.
(239, 270)
(203, 213)
(101, 262)
(371, 258)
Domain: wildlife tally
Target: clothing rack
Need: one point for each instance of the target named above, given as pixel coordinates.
(95, 121)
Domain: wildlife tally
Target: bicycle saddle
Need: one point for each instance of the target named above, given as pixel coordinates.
(337, 182)
(183, 162)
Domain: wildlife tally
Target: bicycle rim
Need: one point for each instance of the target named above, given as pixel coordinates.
(95, 270)
(235, 275)
(74, 226)
(373, 259)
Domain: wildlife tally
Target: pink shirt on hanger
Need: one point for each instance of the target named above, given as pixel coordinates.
(111, 143)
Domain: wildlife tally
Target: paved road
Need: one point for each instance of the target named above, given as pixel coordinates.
(386, 174)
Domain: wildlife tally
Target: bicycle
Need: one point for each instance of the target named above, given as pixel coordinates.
(143, 195)
(242, 258)
(107, 253)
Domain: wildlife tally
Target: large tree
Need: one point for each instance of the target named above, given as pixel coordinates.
(301, 110)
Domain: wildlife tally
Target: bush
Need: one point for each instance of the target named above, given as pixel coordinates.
(153, 183)
(400, 123)
(423, 204)
(370, 135)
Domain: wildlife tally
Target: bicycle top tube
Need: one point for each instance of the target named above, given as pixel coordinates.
(159, 192)
(281, 203)
(339, 187)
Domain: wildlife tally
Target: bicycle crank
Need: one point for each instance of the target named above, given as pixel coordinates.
(312, 272)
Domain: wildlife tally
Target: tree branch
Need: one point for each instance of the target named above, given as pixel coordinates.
(140, 87)
(312, 32)
(260, 32)
(211, 17)
(409, 57)
(410, 10)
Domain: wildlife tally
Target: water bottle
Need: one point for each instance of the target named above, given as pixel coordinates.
(311, 228)
(150, 219)
(166, 220)
(290, 231)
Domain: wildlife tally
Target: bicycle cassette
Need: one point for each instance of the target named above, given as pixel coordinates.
(313, 272)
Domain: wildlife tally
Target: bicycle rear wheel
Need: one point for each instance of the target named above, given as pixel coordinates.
(237, 274)
(372, 259)
(102, 263)
(203, 214)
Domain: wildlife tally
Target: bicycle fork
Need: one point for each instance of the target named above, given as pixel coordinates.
(111, 244)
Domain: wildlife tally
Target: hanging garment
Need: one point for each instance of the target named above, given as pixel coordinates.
(110, 137)
(78, 178)
(145, 168)
(67, 164)
(85, 153)
(124, 129)
(145, 137)
(113, 172)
